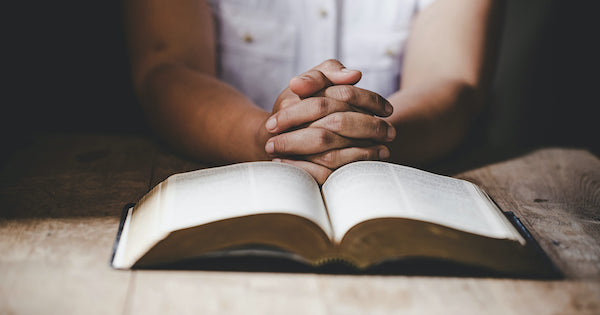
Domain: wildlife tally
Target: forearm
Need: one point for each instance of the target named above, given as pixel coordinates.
(448, 68)
(432, 119)
(202, 116)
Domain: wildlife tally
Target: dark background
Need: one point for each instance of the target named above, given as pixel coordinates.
(547, 78)
(69, 68)
(67, 71)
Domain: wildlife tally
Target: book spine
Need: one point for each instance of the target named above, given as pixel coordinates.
(552, 271)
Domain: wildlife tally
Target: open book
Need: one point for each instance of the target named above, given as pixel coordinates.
(365, 213)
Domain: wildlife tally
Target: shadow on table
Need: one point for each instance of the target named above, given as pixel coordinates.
(477, 157)
(406, 267)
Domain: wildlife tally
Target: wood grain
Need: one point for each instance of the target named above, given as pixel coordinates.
(556, 193)
(60, 198)
(59, 266)
(75, 175)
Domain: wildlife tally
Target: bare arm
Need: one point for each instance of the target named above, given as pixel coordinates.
(172, 50)
(447, 71)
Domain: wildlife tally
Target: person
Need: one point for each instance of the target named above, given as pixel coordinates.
(213, 99)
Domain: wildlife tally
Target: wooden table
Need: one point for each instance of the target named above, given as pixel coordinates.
(61, 197)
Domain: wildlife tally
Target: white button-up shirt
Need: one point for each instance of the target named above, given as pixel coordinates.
(262, 44)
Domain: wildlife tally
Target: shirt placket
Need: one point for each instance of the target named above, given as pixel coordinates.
(321, 29)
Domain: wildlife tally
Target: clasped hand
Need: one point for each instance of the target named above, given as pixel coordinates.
(321, 121)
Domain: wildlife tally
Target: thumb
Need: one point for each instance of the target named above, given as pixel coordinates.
(337, 73)
(328, 73)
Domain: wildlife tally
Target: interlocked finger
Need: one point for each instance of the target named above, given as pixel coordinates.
(304, 112)
(336, 158)
(357, 125)
(366, 100)
(307, 141)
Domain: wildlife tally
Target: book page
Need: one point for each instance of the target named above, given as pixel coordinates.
(243, 189)
(366, 190)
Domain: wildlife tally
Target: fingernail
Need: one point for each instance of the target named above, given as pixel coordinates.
(276, 160)
(347, 70)
(271, 123)
(270, 147)
(388, 109)
(384, 154)
(391, 133)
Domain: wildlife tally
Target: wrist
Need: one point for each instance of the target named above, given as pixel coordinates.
(431, 120)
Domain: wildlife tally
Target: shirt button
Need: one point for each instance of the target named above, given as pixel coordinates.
(248, 38)
(390, 53)
(323, 13)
